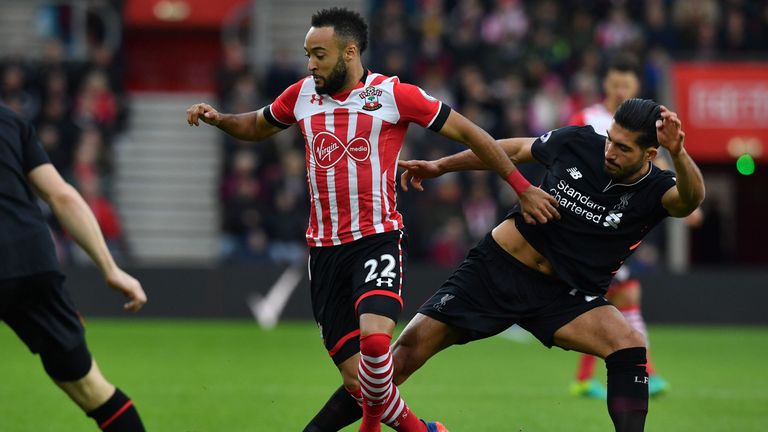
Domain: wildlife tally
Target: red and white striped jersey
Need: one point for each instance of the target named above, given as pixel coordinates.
(594, 115)
(352, 142)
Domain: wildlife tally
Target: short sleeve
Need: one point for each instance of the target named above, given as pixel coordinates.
(280, 113)
(546, 147)
(415, 105)
(32, 150)
(665, 181)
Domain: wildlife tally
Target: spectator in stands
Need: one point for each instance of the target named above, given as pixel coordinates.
(13, 91)
(96, 102)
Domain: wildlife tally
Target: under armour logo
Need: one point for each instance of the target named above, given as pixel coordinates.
(316, 98)
(575, 173)
(382, 281)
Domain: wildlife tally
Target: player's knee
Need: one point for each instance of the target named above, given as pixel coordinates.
(637, 339)
(67, 365)
(630, 338)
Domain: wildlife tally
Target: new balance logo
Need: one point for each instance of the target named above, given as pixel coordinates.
(575, 173)
(613, 219)
(316, 98)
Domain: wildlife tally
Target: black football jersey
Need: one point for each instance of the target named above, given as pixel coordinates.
(26, 246)
(602, 222)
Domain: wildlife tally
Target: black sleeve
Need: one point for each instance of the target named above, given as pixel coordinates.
(547, 147)
(32, 150)
(441, 117)
(665, 181)
(272, 120)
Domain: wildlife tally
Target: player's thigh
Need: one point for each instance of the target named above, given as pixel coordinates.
(422, 338)
(599, 331)
(333, 303)
(377, 274)
(43, 315)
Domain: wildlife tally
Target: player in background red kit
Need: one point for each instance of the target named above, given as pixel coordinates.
(354, 122)
(621, 82)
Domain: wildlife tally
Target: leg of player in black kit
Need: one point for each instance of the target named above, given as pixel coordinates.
(604, 332)
(422, 338)
(627, 388)
(77, 374)
(340, 411)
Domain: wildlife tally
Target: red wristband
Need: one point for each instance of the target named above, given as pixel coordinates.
(518, 182)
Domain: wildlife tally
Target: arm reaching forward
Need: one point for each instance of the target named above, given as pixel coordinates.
(536, 204)
(250, 126)
(78, 219)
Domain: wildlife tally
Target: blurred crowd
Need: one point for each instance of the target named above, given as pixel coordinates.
(514, 67)
(78, 109)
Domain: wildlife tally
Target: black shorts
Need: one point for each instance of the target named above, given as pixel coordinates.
(491, 290)
(39, 309)
(340, 277)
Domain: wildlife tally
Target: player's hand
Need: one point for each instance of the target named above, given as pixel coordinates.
(128, 286)
(416, 171)
(669, 131)
(538, 206)
(204, 112)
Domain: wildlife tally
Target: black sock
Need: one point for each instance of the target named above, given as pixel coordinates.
(627, 389)
(341, 410)
(117, 415)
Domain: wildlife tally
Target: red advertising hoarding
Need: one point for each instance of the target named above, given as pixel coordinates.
(724, 109)
(179, 13)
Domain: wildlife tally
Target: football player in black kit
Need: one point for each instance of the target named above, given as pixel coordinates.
(33, 300)
(550, 278)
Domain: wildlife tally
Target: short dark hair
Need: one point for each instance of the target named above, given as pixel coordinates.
(625, 63)
(346, 24)
(640, 115)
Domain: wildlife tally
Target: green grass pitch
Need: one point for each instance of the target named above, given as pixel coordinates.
(189, 376)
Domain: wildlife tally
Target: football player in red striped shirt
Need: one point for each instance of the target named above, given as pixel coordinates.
(354, 122)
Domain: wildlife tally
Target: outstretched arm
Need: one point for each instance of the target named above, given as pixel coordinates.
(250, 126)
(682, 199)
(416, 171)
(486, 153)
(78, 219)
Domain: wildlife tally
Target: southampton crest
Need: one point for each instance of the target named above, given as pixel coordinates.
(370, 96)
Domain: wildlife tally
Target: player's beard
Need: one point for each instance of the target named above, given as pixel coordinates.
(621, 174)
(335, 80)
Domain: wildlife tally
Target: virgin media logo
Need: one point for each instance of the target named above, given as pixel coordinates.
(329, 150)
